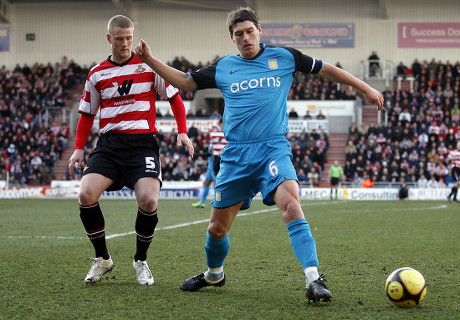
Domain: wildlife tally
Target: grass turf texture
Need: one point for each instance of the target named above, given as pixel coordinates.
(44, 258)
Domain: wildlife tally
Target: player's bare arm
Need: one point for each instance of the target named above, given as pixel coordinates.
(183, 140)
(175, 77)
(333, 73)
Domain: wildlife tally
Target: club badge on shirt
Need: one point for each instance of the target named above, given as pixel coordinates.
(273, 64)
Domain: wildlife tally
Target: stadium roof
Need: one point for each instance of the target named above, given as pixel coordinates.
(124, 4)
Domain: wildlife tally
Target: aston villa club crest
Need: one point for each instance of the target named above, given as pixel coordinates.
(273, 64)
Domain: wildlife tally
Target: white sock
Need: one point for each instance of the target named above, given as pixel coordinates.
(311, 273)
(214, 275)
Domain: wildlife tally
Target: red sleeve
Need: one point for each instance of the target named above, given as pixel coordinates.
(84, 126)
(178, 110)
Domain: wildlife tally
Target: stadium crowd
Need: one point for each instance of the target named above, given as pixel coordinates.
(30, 148)
(423, 125)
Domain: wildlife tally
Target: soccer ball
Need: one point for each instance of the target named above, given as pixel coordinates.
(405, 287)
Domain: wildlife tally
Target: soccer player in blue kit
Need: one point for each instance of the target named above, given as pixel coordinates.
(255, 85)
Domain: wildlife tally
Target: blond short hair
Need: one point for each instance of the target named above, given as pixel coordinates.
(119, 21)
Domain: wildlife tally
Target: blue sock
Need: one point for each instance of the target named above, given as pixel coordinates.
(302, 243)
(216, 251)
(205, 194)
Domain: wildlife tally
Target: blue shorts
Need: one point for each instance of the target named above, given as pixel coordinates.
(252, 166)
(210, 170)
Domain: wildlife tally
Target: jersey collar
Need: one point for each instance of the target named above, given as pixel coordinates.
(120, 64)
(262, 48)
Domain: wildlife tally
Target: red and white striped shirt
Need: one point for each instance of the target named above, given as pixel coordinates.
(218, 142)
(126, 96)
(454, 157)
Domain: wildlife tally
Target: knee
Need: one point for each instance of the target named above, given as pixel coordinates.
(292, 212)
(87, 197)
(147, 204)
(292, 208)
(217, 230)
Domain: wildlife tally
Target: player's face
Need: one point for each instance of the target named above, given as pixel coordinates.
(121, 40)
(246, 36)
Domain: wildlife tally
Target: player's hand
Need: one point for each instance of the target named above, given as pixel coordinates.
(77, 157)
(142, 50)
(374, 97)
(183, 140)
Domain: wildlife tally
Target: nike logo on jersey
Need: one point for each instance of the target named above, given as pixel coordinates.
(232, 72)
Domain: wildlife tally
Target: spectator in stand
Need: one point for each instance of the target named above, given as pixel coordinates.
(416, 68)
(401, 70)
(201, 112)
(215, 115)
(293, 114)
(313, 176)
(320, 115)
(307, 115)
(303, 178)
(374, 64)
(405, 116)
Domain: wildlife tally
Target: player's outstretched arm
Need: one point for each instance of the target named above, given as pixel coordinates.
(333, 73)
(175, 77)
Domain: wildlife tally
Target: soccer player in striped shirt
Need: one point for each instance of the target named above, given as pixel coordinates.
(255, 85)
(454, 159)
(123, 89)
(218, 142)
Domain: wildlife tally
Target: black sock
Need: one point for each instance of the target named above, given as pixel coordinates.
(454, 192)
(145, 228)
(94, 224)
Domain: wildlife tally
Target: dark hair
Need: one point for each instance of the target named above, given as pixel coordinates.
(239, 15)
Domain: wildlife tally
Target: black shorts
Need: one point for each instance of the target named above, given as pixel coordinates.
(334, 181)
(125, 158)
(456, 173)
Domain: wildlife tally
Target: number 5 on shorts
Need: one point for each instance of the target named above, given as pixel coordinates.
(150, 163)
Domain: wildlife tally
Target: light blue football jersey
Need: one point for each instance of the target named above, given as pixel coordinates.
(255, 90)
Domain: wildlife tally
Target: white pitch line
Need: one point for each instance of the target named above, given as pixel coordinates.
(112, 236)
(207, 220)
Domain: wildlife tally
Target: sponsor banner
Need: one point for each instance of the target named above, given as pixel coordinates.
(309, 35)
(428, 35)
(21, 193)
(4, 38)
(63, 189)
(328, 107)
(298, 126)
(169, 124)
(295, 126)
(374, 193)
(191, 190)
(429, 194)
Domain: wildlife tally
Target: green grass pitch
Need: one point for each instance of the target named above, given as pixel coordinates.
(44, 257)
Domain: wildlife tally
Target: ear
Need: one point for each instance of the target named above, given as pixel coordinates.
(109, 38)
